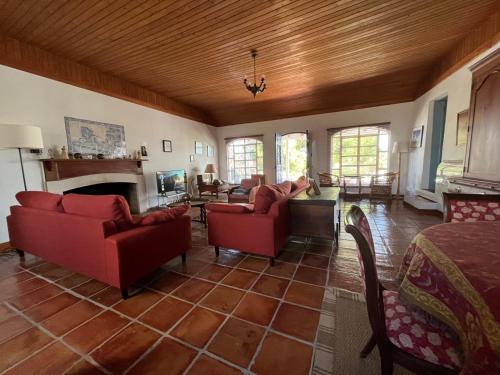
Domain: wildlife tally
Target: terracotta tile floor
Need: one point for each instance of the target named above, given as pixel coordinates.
(211, 316)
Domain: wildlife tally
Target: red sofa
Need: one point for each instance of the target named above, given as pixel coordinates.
(96, 236)
(241, 193)
(250, 227)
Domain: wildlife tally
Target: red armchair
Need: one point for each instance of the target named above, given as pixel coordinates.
(249, 228)
(95, 236)
(241, 193)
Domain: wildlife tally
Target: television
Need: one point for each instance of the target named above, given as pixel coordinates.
(170, 181)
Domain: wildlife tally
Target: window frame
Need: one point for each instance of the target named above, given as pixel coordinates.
(248, 170)
(346, 133)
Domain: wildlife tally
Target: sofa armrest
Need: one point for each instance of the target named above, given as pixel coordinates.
(246, 232)
(134, 253)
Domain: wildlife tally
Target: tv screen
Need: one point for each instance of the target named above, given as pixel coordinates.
(170, 181)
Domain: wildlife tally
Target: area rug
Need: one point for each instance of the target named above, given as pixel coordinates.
(344, 330)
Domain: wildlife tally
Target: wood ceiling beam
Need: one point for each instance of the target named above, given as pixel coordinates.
(23, 56)
(483, 36)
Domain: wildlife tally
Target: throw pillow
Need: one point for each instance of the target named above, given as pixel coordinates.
(40, 200)
(106, 207)
(163, 216)
(283, 188)
(264, 198)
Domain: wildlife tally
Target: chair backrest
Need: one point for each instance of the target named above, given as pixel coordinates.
(357, 225)
(261, 178)
(386, 179)
(199, 180)
(458, 207)
(328, 179)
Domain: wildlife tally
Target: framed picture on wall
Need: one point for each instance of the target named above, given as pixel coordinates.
(210, 151)
(167, 145)
(462, 125)
(198, 148)
(417, 135)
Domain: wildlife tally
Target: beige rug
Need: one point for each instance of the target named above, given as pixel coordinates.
(344, 330)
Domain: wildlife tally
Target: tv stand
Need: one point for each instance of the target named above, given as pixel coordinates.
(166, 199)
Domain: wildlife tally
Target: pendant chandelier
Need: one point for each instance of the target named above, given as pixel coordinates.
(253, 88)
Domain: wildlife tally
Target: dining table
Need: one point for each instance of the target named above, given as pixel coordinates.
(452, 271)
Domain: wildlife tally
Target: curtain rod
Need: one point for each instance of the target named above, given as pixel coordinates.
(244, 136)
(379, 124)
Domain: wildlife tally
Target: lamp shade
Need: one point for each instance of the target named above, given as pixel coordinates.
(399, 147)
(210, 168)
(20, 136)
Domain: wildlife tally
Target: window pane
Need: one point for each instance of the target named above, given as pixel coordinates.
(368, 141)
(349, 151)
(368, 150)
(349, 142)
(368, 170)
(383, 142)
(350, 160)
(368, 160)
(349, 170)
(251, 148)
(382, 160)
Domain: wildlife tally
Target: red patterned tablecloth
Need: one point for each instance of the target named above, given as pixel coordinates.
(452, 271)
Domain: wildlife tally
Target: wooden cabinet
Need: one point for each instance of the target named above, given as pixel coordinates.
(482, 159)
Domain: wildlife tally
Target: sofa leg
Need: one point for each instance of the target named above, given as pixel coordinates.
(20, 253)
(124, 293)
(216, 251)
(183, 256)
(271, 261)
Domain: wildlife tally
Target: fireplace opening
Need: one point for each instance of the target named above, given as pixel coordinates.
(125, 189)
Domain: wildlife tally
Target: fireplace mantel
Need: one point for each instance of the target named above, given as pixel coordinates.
(60, 169)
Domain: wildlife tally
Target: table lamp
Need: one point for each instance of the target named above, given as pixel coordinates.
(399, 148)
(210, 169)
(20, 137)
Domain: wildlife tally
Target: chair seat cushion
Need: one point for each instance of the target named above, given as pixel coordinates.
(419, 334)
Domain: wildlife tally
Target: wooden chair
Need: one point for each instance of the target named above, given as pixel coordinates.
(392, 321)
(459, 207)
(381, 185)
(327, 179)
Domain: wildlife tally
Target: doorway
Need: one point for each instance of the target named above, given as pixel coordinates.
(292, 156)
(438, 124)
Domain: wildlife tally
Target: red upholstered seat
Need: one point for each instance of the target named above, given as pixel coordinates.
(419, 334)
(462, 210)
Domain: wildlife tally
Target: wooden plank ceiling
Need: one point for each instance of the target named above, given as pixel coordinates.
(318, 56)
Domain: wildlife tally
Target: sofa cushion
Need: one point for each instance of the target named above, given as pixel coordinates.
(163, 216)
(234, 208)
(41, 200)
(106, 207)
(264, 198)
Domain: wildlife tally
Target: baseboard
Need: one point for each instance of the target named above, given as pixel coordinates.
(5, 246)
(436, 213)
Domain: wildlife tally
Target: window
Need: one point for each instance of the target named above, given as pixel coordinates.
(359, 151)
(244, 158)
(293, 156)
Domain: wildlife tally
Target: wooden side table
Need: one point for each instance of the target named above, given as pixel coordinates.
(316, 215)
(212, 189)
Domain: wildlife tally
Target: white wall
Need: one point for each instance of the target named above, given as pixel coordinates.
(398, 115)
(29, 99)
(457, 87)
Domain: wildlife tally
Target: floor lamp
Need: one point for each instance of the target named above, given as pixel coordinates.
(21, 137)
(399, 148)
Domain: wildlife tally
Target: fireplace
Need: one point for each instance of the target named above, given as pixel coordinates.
(98, 177)
(125, 189)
